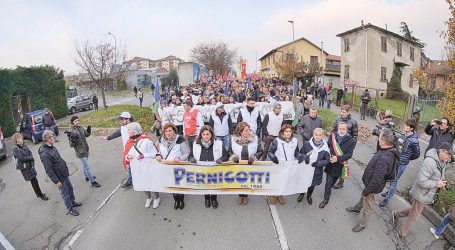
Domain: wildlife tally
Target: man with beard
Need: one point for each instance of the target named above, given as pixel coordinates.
(309, 123)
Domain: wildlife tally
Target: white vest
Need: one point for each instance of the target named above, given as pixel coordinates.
(274, 125)
(175, 152)
(125, 135)
(285, 150)
(252, 148)
(217, 150)
(250, 118)
(220, 128)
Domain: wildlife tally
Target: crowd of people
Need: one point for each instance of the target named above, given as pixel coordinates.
(252, 136)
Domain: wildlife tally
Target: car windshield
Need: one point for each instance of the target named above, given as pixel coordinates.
(38, 118)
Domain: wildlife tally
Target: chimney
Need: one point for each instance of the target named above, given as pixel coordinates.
(361, 21)
(385, 26)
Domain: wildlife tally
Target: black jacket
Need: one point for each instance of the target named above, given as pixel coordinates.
(353, 129)
(55, 166)
(48, 120)
(347, 144)
(24, 161)
(437, 137)
(380, 166)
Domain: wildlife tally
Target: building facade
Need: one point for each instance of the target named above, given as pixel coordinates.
(169, 62)
(331, 73)
(438, 74)
(143, 78)
(369, 55)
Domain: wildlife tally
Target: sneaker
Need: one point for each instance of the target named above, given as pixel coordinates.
(126, 185)
(272, 199)
(148, 202)
(240, 200)
(433, 231)
(44, 197)
(394, 218)
(95, 184)
(358, 228)
(281, 199)
(385, 194)
(73, 212)
(86, 178)
(77, 204)
(338, 186)
(156, 203)
(383, 203)
(401, 239)
(353, 210)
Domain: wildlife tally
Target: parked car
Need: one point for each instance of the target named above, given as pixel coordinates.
(79, 102)
(32, 127)
(2, 145)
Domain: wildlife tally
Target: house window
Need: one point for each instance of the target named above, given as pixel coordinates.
(411, 81)
(384, 44)
(346, 72)
(399, 49)
(411, 54)
(346, 45)
(313, 59)
(383, 74)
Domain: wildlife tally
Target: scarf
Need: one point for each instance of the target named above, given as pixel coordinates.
(169, 143)
(206, 144)
(129, 144)
(243, 141)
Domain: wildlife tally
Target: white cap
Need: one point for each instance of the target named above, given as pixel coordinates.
(219, 105)
(125, 115)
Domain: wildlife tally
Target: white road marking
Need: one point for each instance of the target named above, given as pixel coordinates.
(5, 243)
(90, 219)
(278, 228)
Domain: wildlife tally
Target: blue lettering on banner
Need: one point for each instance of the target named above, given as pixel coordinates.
(220, 177)
(267, 177)
(179, 173)
(190, 177)
(241, 177)
(200, 178)
(227, 178)
(212, 178)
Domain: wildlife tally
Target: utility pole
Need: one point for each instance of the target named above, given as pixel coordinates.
(293, 48)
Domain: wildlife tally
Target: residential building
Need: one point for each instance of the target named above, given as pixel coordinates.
(143, 78)
(438, 74)
(369, 55)
(169, 62)
(140, 63)
(188, 73)
(332, 69)
(302, 47)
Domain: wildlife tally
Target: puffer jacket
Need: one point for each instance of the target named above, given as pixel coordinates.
(55, 166)
(412, 150)
(437, 136)
(379, 167)
(80, 146)
(426, 184)
(353, 129)
(24, 161)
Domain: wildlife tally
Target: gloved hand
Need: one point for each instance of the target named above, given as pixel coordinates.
(140, 157)
(193, 160)
(301, 158)
(314, 164)
(250, 161)
(307, 160)
(236, 159)
(219, 161)
(275, 160)
(89, 129)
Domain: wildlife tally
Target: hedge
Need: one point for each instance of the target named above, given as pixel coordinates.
(45, 86)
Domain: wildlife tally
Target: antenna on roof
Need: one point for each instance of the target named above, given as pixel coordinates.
(385, 26)
(361, 21)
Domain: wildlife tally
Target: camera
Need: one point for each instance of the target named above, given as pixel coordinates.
(399, 142)
(439, 123)
(72, 137)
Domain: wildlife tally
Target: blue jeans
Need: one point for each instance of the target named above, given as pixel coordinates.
(445, 222)
(393, 185)
(87, 172)
(66, 191)
(226, 141)
(328, 103)
(129, 178)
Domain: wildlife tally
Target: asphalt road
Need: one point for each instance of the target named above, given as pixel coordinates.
(114, 218)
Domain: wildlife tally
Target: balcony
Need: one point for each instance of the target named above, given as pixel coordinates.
(333, 67)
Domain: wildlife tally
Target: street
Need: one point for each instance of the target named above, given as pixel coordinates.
(115, 218)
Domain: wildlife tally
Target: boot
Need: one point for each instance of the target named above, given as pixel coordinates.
(300, 198)
(272, 199)
(310, 201)
(281, 199)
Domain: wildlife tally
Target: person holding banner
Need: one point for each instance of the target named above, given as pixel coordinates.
(250, 114)
(172, 147)
(192, 123)
(207, 148)
(245, 146)
(284, 148)
(341, 146)
(140, 146)
(273, 121)
(316, 153)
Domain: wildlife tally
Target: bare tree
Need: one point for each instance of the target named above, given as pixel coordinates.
(214, 56)
(99, 62)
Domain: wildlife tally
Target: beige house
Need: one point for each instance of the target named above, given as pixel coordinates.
(169, 62)
(140, 63)
(369, 55)
(306, 50)
(438, 74)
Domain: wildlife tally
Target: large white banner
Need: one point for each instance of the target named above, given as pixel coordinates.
(261, 178)
(175, 114)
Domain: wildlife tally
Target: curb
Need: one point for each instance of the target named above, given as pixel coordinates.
(433, 217)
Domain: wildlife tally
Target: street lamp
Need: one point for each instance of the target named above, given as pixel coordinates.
(293, 46)
(115, 48)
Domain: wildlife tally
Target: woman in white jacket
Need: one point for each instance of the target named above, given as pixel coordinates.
(143, 147)
(173, 147)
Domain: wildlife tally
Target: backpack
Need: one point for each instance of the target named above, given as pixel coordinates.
(391, 176)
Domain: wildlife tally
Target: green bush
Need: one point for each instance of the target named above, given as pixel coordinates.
(328, 119)
(6, 114)
(444, 201)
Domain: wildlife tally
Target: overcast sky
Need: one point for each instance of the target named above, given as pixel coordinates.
(44, 32)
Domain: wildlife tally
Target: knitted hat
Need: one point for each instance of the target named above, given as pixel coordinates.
(73, 118)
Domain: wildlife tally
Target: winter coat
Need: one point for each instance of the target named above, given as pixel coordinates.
(24, 161)
(53, 163)
(426, 184)
(252, 143)
(412, 150)
(179, 149)
(329, 95)
(379, 167)
(80, 146)
(279, 144)
(347, 144)
(307, 125)
(353, 129)
(207, 154)
(437, 137)
(366, 97)
(340, 94)
(322, 161)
